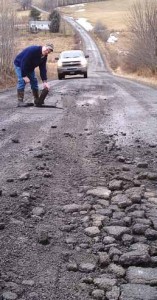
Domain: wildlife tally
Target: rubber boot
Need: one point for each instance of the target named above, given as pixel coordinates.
(43, 95)
(20, 97)
(36, 97)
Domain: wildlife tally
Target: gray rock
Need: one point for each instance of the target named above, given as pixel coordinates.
(142, 275)
(87, 267)
(108, 240)
(98, 294)
(33, 296)
(105, 282)
(127, 239)
(134, 258)
(103, 259)
(139, 228)
(28, 282)
(113, 294)
(101, 192)
(137, 214)
(116, 231)
(142, 165)
(72, 267)
(137, 292)
(152, 176)
(114, 252)
(140, 247)
(103, 202)
(135, 194)
(118, 215)
(9, 296)
(92, 231)
(143, 221)
(115, 185)
(43, 237)
(117, 270)
(70, 208)
(151, 234)
(24, 176)
(121, 200)
(38, 211)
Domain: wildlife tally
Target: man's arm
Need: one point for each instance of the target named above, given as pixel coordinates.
(43, 73)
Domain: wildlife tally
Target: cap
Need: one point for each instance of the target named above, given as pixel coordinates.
(50, 46)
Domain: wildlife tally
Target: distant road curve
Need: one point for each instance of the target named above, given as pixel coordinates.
(96, 62)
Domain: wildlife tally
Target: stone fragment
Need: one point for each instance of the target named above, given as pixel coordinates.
(98, 294)
(137, 214)
(134, 258)
(14, 140)
(101, 192)
(70, 208)
(114, 252)
(121, 200)
(140, 275)
(152, 176)
(121, 158)
(38, 211)
(115, 185)
(43, 237)
(24, 176)
(28, 282)
(142, 164)
(9, 296)
(127, 239)
(92, 231)
(113, 294)
(72, 267)
(33, 296)
(137, 292)
(116, 231)
(105, 282)
(108, 240)
(102, 202)
(139, 228)
(151, 234)
(117, 270)
(87, 267)
(135, 194)
(103, 259)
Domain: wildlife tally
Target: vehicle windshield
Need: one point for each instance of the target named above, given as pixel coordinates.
(72, 54)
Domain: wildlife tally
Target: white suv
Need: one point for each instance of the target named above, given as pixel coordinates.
(72, 62)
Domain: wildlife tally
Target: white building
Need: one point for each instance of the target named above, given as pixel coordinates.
(35, 26)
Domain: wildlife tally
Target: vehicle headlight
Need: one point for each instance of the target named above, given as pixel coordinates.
(59, 64)
(83, 63)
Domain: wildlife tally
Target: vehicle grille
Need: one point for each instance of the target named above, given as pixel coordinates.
(71, 64)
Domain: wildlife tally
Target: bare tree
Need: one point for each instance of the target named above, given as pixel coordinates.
(25, 4)
(101, 31)
(7, 37)
(142, 21)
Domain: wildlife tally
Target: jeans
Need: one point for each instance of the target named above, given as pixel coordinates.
(21, 83)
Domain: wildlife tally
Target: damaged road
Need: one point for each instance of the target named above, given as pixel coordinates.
(78, 197)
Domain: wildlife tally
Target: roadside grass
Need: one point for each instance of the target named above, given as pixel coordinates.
(111, 13)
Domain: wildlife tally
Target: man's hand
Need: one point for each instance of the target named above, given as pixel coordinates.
(26, 79)
(45, 85)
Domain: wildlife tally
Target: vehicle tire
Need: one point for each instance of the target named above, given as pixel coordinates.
(60, 76)
(85, 75)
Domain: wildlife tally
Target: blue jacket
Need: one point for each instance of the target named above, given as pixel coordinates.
(30, 58)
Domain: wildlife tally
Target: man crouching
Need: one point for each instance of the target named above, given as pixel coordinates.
(25, 64)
